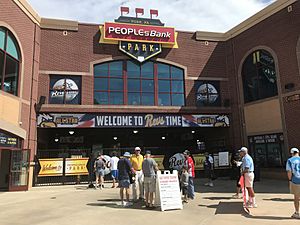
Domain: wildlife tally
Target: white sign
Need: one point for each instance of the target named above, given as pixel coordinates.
(223, 158)
(168, 191)
(106, 159)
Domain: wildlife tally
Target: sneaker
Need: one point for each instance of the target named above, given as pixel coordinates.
(211, 184)
(123, 203)
(235, 196)
(128, 204)
(296, 215)
(206, 184)
(248, 204)
(251, 205)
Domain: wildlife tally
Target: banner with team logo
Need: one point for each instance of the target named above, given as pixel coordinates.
(52, 120)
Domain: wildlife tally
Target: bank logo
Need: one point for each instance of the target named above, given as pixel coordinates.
(139, 38)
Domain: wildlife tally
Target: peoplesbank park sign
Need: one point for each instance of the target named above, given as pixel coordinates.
(140, 38)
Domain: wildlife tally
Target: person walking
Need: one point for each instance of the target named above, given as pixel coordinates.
(125, 169)
(149, 167)
(293, 173)
(248, 173)
(137, 187)
(189, 163)
(99, 167)
(209, 169)
(114, 168)
(236, 166)
(184, 182)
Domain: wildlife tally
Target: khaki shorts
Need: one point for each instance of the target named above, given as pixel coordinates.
(249, 178)
(295, 189)
(149, 184)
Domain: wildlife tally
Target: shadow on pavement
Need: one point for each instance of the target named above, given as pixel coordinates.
(218, 198)
(226, 207)
(279, 199)
(109, 200)
(229, 208)
(267, 217)
(116, 203)
(225, 185)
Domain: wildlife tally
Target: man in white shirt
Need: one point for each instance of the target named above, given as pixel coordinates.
(114, 168)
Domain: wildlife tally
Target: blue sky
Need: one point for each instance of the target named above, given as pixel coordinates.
(185, 15)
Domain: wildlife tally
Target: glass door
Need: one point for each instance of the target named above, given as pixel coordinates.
(19, 170)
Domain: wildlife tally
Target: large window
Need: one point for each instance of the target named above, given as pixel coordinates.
(65, 90)
(9, 62)
(259, 76)
(130, 83)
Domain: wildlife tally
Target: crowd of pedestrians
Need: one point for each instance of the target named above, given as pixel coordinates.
(139, 173)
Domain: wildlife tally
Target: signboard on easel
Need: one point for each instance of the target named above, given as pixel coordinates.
(168, 191)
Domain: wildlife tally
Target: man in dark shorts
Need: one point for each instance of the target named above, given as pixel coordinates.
(236, 164)
(209, 169)
(125, 168)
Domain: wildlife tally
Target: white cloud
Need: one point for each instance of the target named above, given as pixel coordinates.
(189, 15)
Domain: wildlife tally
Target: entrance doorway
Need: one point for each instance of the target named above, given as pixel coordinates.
(4, 169)
(14, 169)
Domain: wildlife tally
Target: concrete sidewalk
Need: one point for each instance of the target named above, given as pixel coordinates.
(77, 205)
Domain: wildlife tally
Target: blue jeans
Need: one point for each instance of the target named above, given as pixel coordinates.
(191, 191)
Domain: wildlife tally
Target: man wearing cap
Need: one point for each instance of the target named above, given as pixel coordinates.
(136, 160)
(149, 168)
(293, 172)
(248, 173)
(124, 169)
(99, 167)
(189, 163)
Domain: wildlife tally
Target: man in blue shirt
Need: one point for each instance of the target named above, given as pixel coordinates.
(293, 172)
(248, 173)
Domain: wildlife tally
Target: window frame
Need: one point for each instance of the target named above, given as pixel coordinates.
(139, 93)
(254, 69)
(7, 33)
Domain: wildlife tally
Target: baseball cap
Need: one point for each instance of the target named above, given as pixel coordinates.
(243, 149)
(126, 154)
(148, 152)
(294, 150)
(186, 152)
(137, 149)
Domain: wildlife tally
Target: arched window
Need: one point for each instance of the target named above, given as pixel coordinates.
(9, 62)
(259, 76)
(126, 82)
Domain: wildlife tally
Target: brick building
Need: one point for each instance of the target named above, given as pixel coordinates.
(203, 92)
